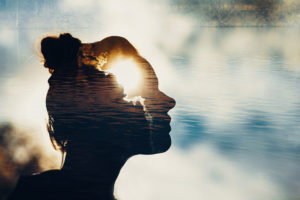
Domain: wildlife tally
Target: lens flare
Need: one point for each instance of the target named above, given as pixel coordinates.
(128, 74)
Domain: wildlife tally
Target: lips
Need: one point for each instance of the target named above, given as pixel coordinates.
(167, 118)
(168, 128)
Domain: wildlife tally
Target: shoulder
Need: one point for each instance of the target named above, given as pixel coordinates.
(35, 186)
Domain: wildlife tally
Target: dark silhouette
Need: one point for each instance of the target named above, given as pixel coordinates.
(91, 122)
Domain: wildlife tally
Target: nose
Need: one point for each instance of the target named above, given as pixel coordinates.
(169, 101)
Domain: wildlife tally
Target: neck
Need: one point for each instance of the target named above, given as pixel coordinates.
(100, 169)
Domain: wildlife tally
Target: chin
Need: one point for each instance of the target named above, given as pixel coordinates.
(158, 140)
(161, 144)
(163, 148)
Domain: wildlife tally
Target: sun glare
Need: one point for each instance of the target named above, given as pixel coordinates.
(127, 74)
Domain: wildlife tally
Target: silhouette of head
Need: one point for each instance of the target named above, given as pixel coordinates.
(86, 103)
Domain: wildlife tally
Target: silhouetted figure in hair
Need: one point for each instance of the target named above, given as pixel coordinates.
(92, 122)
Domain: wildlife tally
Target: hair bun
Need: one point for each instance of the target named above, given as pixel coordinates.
(60, 51)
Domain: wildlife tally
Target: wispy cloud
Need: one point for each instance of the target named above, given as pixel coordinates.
(200, 173)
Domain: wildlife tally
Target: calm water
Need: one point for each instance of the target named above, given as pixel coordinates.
(236, 124)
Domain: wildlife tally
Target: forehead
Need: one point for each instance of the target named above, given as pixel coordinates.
(135, 73)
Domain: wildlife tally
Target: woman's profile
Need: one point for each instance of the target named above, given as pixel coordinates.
(96, 121)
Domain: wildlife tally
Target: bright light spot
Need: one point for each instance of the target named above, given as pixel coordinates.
(127, 74)
(135, 99)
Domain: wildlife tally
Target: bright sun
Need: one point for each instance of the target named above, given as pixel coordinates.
(128, 74)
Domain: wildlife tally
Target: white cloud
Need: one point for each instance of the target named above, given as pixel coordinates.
(8, 37)
(200, 173)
